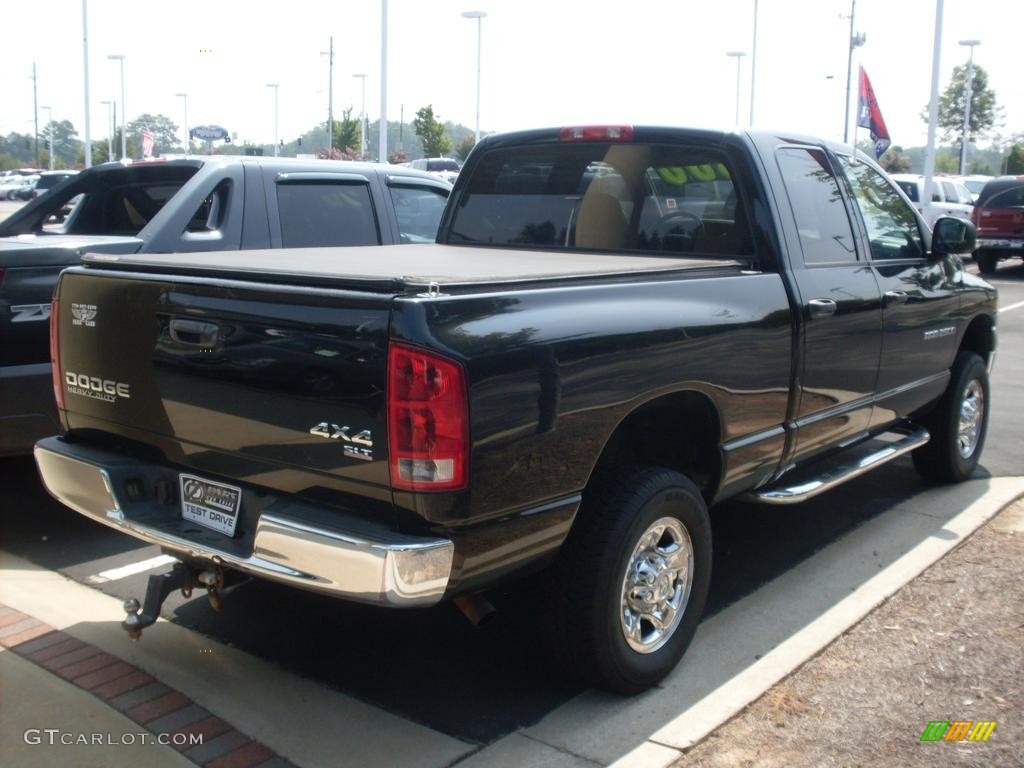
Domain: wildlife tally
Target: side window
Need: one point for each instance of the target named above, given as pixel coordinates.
(418, 210)
(320, 214)
(890, 223)
(825, 232)
(949, 190)
(210, 214)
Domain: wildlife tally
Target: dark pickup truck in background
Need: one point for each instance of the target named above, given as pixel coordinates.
(618, 328)
(176, 206)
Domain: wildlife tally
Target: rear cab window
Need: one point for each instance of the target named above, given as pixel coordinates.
(123, 202)
(645, 198)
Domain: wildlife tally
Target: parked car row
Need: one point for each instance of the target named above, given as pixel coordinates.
(29, 187)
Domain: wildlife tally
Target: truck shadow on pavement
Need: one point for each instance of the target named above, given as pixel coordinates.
(480, 683)
(431, 665)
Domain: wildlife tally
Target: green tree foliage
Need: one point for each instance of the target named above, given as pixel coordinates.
(64, 138)
(984, 110)
(464, 147)
(19, 149)
(345, 137)
(166, 137)
(894, 161)
(431, 132)
(1015, 160)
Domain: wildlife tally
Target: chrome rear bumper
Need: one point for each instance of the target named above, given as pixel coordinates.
(350, 558)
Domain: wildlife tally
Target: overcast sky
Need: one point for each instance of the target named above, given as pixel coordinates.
(545, 63)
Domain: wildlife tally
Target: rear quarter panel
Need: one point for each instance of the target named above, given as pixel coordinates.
(553, 371)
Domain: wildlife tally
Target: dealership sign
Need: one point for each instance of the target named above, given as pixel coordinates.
(209, 133)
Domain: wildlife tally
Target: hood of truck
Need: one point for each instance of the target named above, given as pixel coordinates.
(234, 380)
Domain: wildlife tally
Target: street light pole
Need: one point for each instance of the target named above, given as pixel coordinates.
(738, 55)
(478, 15)
(382, 144)
(110, 131)
(188, 137)
(85, 72)
(753, 66)
(330, 94)
(124, 112)
(856, 41)
(362, 118)
(968, 91)
(275, 87)
(49, 137)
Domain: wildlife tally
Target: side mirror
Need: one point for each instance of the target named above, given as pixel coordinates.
(952, 235)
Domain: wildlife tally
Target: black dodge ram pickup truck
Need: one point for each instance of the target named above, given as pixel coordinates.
(618, 328)
(186, 205)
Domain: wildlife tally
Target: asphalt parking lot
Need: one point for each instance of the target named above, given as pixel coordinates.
(477, 686)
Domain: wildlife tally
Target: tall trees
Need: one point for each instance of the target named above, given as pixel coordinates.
(952, 101)
(431, 132)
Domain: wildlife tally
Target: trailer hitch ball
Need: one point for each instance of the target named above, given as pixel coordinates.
(132, 622)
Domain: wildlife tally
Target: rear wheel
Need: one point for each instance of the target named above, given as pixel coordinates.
(987, 261)
(957, 425)
(632, 580)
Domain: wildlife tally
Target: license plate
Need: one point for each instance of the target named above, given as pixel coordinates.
(214, 505)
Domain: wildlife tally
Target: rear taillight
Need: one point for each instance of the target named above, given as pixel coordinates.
(596, 133)
(428, 421)
(58, 381)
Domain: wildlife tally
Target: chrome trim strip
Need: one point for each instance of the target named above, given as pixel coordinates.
(861, 402)
(401, 572)
(839, 475)
(752, 439)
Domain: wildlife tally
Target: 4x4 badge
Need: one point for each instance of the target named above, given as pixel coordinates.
(358, 446)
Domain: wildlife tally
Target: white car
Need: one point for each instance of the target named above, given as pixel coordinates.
(974, 183)
(445, 168)
(949, 197)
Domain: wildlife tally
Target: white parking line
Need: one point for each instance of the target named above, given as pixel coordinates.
(130, 570)
(1018, 305)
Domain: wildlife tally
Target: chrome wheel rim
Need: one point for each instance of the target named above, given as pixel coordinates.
(972, 416)
(656, 585)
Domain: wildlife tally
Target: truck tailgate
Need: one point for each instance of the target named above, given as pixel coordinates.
(270, 384)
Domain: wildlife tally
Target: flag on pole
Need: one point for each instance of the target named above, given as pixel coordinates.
(870, 116)
(147, 143)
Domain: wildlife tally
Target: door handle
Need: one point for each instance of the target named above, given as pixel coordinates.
(822, 307)
(895, 297)
(194, 332)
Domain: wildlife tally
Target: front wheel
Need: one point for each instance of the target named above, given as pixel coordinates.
(957, 425)
(632, 580)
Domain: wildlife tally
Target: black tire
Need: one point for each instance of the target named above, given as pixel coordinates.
(586, 629)
(986, 261)
(941, 458)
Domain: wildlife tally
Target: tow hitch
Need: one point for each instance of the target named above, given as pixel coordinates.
(181, 576)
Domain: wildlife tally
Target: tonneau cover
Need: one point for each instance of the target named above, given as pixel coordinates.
(399, 266)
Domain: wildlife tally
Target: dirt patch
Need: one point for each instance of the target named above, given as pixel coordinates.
(948, 646)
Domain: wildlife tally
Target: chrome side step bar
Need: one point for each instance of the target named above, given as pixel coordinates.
(837, 475)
